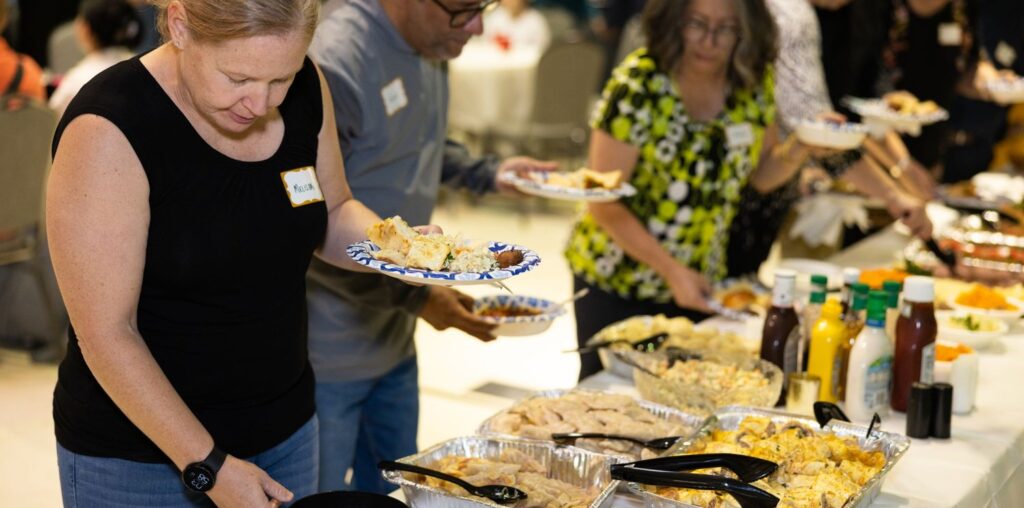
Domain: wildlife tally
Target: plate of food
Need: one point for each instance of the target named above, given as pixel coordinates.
(580, 185)
(399, 251)
(516, 315)
(742, 297)
(983, 300)
(899, 110)
(970, 328)
(834, 135)
(1007, 89)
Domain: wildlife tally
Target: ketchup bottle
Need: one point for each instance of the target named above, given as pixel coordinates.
(777, 338)
(915, 339)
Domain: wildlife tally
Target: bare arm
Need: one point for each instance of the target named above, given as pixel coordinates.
(97, 224)
(609, 154)
(870, 179)
(347, 218)
(779, 161)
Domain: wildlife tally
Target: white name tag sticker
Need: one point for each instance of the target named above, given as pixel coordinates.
(1005, 54)
(394, 96)
(739, 135)
(951, 34)
(302, 186)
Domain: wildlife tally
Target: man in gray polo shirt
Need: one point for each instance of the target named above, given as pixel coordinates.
(384, 63)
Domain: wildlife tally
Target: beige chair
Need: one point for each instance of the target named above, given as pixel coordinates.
(63, 49)
(567, 76)
(25, 136)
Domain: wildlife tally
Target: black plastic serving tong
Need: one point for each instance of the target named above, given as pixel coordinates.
(669, 472)
(659, 443)
(501, 494)
(647, 345)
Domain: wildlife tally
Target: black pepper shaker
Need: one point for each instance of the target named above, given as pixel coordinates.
(942, 419)
(920, 410)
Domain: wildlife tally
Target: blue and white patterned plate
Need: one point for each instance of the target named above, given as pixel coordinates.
(519, 326)
(544, 190)
(362, 253)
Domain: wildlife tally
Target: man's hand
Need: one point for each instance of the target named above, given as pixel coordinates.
(446, 308)
(522, 167)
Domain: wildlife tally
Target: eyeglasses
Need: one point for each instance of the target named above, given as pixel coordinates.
(462, 17)
(695, 30)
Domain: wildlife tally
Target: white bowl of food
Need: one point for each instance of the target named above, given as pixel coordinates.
(517, 316)
(971, 329)
(834, 135)
(985, 301)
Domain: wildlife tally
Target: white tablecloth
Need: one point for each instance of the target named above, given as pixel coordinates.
(491, 87)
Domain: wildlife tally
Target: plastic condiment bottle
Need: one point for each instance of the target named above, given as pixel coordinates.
(851, 276)
(827, 337)
(915, 339)
(892, 289)
(854, 324)
(809, 315)
(779, 326)
(870, 372)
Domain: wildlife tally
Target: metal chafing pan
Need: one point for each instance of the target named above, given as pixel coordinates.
(691, 422)
(572, 465)
(893, 446)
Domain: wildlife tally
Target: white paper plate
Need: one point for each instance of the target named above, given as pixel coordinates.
(878, 110)
(362, 253)
(534, 188)
(837, 136)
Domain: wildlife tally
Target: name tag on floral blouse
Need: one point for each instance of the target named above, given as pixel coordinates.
(1005, 54)
(951, 34)
(739, 135)
(302, 186)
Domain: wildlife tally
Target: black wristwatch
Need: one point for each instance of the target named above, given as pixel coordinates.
(201, 476)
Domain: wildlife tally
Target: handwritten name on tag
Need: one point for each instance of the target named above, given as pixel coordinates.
(302, 186)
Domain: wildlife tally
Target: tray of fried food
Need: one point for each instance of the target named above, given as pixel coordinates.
(682, 334)
(835, 466)
(698, 384)
(551, 476)
(564, 411)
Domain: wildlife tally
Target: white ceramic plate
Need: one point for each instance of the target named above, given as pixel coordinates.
(837, 136)
(975, 340)
(362, 253)
(534, 188)
(519, 326)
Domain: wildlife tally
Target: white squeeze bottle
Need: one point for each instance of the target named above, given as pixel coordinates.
(870, 372)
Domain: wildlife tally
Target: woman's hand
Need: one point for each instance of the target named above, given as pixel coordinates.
(911, 212)
(690, 290)
(242, 484)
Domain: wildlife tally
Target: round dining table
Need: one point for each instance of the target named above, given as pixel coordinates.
(491, 86)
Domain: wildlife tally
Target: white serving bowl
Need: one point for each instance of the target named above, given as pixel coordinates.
(971, 339)
(837, 136)
(1010, 317)
(519, 326)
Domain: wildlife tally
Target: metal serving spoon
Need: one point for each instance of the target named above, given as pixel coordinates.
(501, 494)
(660, 443)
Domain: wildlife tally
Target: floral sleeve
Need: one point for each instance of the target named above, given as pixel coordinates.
(625, 106)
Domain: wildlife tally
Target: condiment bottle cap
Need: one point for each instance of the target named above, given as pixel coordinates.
(919, 289)
(819, 280)
(851, 275)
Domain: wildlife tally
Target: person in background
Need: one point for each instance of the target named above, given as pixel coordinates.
(853, 36)
(190, 188)
(515, 25)
(690, 121)
(384, 61)
(801, 94)
(37, 19)
(106, 30)
(581, 10)
(19, 74)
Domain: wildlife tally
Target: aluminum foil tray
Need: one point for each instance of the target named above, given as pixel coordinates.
(691, 422)
(893, 446)
(568, 464)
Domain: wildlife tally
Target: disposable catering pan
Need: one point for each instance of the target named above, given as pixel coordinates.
(689, 421)
(340, 499)
(893, 446)
(571, 465)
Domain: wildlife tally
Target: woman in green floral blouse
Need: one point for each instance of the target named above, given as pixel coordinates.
(690, 122)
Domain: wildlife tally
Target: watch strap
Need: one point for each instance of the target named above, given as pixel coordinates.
(215, 459)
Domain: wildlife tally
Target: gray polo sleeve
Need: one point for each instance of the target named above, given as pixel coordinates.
(459, 169)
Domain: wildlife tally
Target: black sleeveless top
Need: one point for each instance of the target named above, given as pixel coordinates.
(222, 306)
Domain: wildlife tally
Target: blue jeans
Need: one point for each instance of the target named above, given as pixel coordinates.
(88, 482)
(364, 422)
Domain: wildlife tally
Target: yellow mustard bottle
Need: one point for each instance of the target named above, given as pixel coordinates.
(827, 336)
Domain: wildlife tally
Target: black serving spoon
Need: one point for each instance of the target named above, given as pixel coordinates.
(501, 494)
(748, 496)
(749, 469)
(660, 443)
(647, 345)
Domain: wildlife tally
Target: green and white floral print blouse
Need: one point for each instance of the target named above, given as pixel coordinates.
(688, 176)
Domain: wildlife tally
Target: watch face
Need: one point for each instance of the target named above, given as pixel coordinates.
(198, 478)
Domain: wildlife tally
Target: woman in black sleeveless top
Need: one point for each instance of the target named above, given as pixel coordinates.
(189, 190)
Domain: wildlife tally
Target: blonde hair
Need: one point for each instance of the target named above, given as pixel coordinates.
(221, 20)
